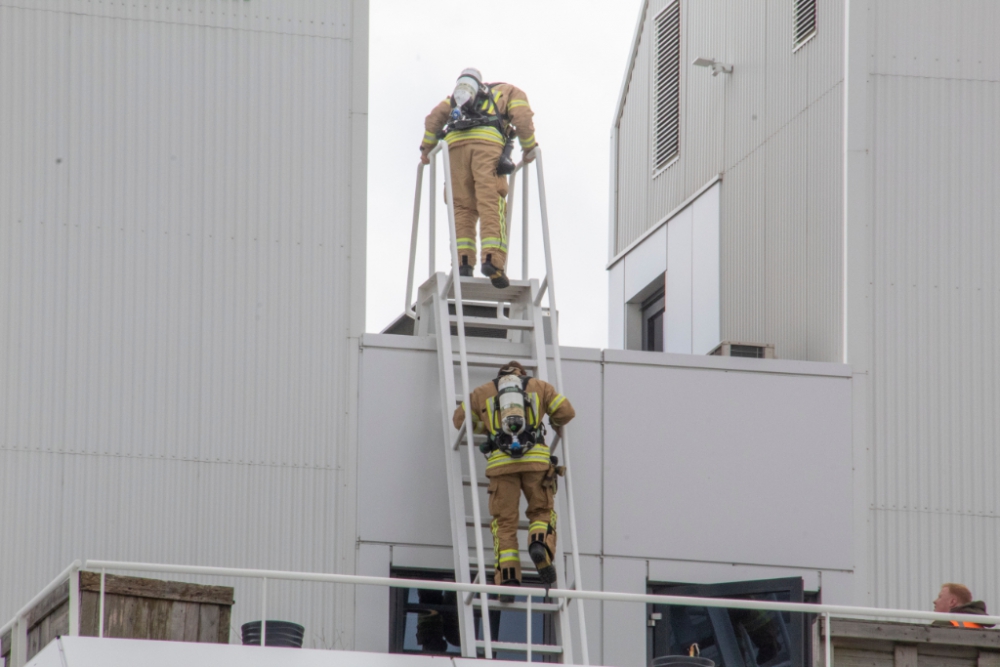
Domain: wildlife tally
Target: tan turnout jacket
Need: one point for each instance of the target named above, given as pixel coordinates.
(547, 401)
(509, 102)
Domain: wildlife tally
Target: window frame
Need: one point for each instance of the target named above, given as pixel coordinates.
(799, 627)
(399, 607)
(658, 301)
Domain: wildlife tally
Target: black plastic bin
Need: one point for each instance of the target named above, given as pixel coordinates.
(681, 661)
(279, 633)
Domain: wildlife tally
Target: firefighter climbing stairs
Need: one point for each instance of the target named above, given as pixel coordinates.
(510, 323)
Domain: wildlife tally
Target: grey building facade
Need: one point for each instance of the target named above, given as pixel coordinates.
(852, 152)
(182, 262)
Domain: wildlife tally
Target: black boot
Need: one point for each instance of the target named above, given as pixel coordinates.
(465, 269)
(507, 599)
(497, 276)
(543, 563)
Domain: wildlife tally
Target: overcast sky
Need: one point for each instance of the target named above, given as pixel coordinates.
(569, 57)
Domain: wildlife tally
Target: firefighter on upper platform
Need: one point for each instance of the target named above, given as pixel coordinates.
(509, 409)
(479, 122)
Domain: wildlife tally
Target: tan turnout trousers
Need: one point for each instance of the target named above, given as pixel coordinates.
(479, 194)
(505, 498)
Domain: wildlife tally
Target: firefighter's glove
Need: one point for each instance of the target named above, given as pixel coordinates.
(486, 447)
(529, 157)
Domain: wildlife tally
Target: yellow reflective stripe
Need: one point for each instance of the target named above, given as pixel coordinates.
(430, 136)
(490, 134)
(538, 454)
(493, 242)
(514, 104)
(527, 144)
(537, 525)
(490, 416)
(496, 543)
(502, 210)
(556, 402)
(508, 555)
(466, 244)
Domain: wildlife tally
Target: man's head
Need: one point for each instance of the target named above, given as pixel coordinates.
(470, 81)
(511, 368)
(951, 596)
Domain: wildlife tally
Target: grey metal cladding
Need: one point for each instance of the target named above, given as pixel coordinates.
(179, 224)
(667, 84)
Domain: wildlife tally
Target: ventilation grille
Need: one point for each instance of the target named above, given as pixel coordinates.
(666, 136)
(805, 21)
(746, 350)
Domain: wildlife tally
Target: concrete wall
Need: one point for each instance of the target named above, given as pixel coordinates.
(693, 469)
(182, 244)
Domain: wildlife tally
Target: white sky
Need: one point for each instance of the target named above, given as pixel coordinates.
(569, 57)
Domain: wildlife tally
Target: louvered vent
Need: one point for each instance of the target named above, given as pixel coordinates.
(666, 136)
(805, 21)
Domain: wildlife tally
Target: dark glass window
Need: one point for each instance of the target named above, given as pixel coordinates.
(652, 322)
(426, 622)
(732, 637)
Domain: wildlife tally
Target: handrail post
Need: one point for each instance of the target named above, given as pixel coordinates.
(263, 611)
(827, 631)
(511, 199)
(74, 603)
(557, 358)
(524, 222)
(528, 633)
(100, 607)
(432, 224)
(413, 240)
(470, 437)
(19, 642)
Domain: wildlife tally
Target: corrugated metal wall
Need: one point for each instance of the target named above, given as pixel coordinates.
(936, 300)
(179, 197)
(774, 130)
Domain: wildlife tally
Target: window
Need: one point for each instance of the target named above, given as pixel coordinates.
(425, 622)
(733, 637)
(667, 86)
(805, 21)
(652, 322)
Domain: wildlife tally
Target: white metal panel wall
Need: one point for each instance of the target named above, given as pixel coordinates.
(773, 128)
(182, 242)
(936, 301)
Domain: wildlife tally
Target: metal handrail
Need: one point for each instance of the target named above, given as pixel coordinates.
(547, 289)
(19, 639)
(826, 610)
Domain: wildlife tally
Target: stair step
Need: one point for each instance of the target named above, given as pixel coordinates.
(485, 523)
(480, 289)
(494, 323)
(484, 361)
(478, 438)
(523, 648)
(483, 483)
(541, 607)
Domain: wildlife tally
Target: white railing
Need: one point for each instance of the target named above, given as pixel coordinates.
(20, 630)
(547, 290)
(432, 201)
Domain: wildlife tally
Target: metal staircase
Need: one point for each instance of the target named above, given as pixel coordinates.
(519, 319)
